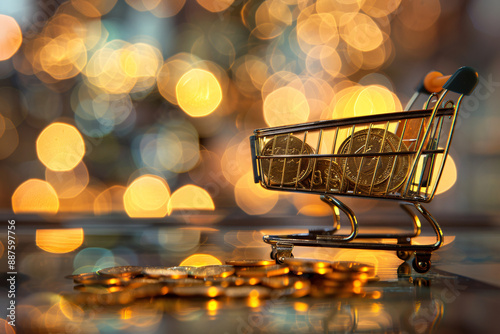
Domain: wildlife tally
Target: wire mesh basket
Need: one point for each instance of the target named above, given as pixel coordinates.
(398, 156)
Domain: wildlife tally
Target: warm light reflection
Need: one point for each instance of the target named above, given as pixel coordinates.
(190, 197)
(125, 313)
(63, 57)
(94, 8)
(310, 205)
(110, 201)
(147, 197)
(10, 37)
(83, 203)
(285, 105)
(179, 239)
(59, 240)
(215, 6)
(200, 260)
(143, 5)
(360, 31)
(253, 302)
(252, 198)
(300, 307)
(271, 19)
(198, 93)
(449, 176)
(361, 101)
(70, 183)
(60, 147)
(9, 140)
(35, 196)
(6, 328)
(112, 68)
(212, 306)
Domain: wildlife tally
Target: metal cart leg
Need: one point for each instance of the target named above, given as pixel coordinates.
(336, 205)
(282, 245)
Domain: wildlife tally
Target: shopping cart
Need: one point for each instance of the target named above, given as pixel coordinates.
(395, 156)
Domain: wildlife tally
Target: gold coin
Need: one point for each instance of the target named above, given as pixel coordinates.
(369, 168)
(357, 267)
(250, 263)
(347, 276)
(212, 271)
(400, 167)
(121, 271)
(198, 291)
(278, 169)
(279, 282)
(300, 262)
(181, 281)
(170, 272)
(150, 290)
(232, 281)
(140, 281)
(267, 271)
(318, 178)
(98, 288)
(87, 298)
(299, 289)
(96, 279)
(247, 291)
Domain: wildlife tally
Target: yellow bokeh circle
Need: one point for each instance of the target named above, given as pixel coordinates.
(60, 147)
(35, 196)
(198, 92)
(147, 197)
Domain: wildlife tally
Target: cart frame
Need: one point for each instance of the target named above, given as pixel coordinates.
(419, 185)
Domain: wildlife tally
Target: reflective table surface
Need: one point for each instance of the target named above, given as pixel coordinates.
(459, 294)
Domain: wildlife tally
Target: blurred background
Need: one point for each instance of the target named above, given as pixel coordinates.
(124, 140)
(144, 107)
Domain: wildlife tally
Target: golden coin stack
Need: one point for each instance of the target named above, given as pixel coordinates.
(370, 173)
(236, 279)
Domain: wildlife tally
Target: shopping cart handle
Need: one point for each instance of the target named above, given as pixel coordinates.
(463, 81)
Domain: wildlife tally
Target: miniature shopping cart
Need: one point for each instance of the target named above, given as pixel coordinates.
(395, 156)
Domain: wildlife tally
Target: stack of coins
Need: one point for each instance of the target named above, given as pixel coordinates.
(237, 279)
(370, 174)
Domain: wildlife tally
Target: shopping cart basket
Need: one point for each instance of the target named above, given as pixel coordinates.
(395, 156)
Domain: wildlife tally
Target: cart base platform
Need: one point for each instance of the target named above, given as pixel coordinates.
(282, 245)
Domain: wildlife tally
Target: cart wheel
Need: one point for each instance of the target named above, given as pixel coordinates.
(404, 270)
(420, 265)
(281, 259)
(403, 255)
(273, 253)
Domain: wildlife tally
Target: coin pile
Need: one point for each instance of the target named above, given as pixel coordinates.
(370, 173)
(236, 279)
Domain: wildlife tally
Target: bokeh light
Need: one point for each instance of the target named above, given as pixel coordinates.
(215, 6)
(200, 260)
(35, 196)
(252, 198)
(286, 105)
(198, 92)
(68, 184)
(94, 8)
(110, 201)
(9, 138)
(59, 240)
(10, 37)
(147, 197)
(449, 177)
(60, 147)
(190, 197)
